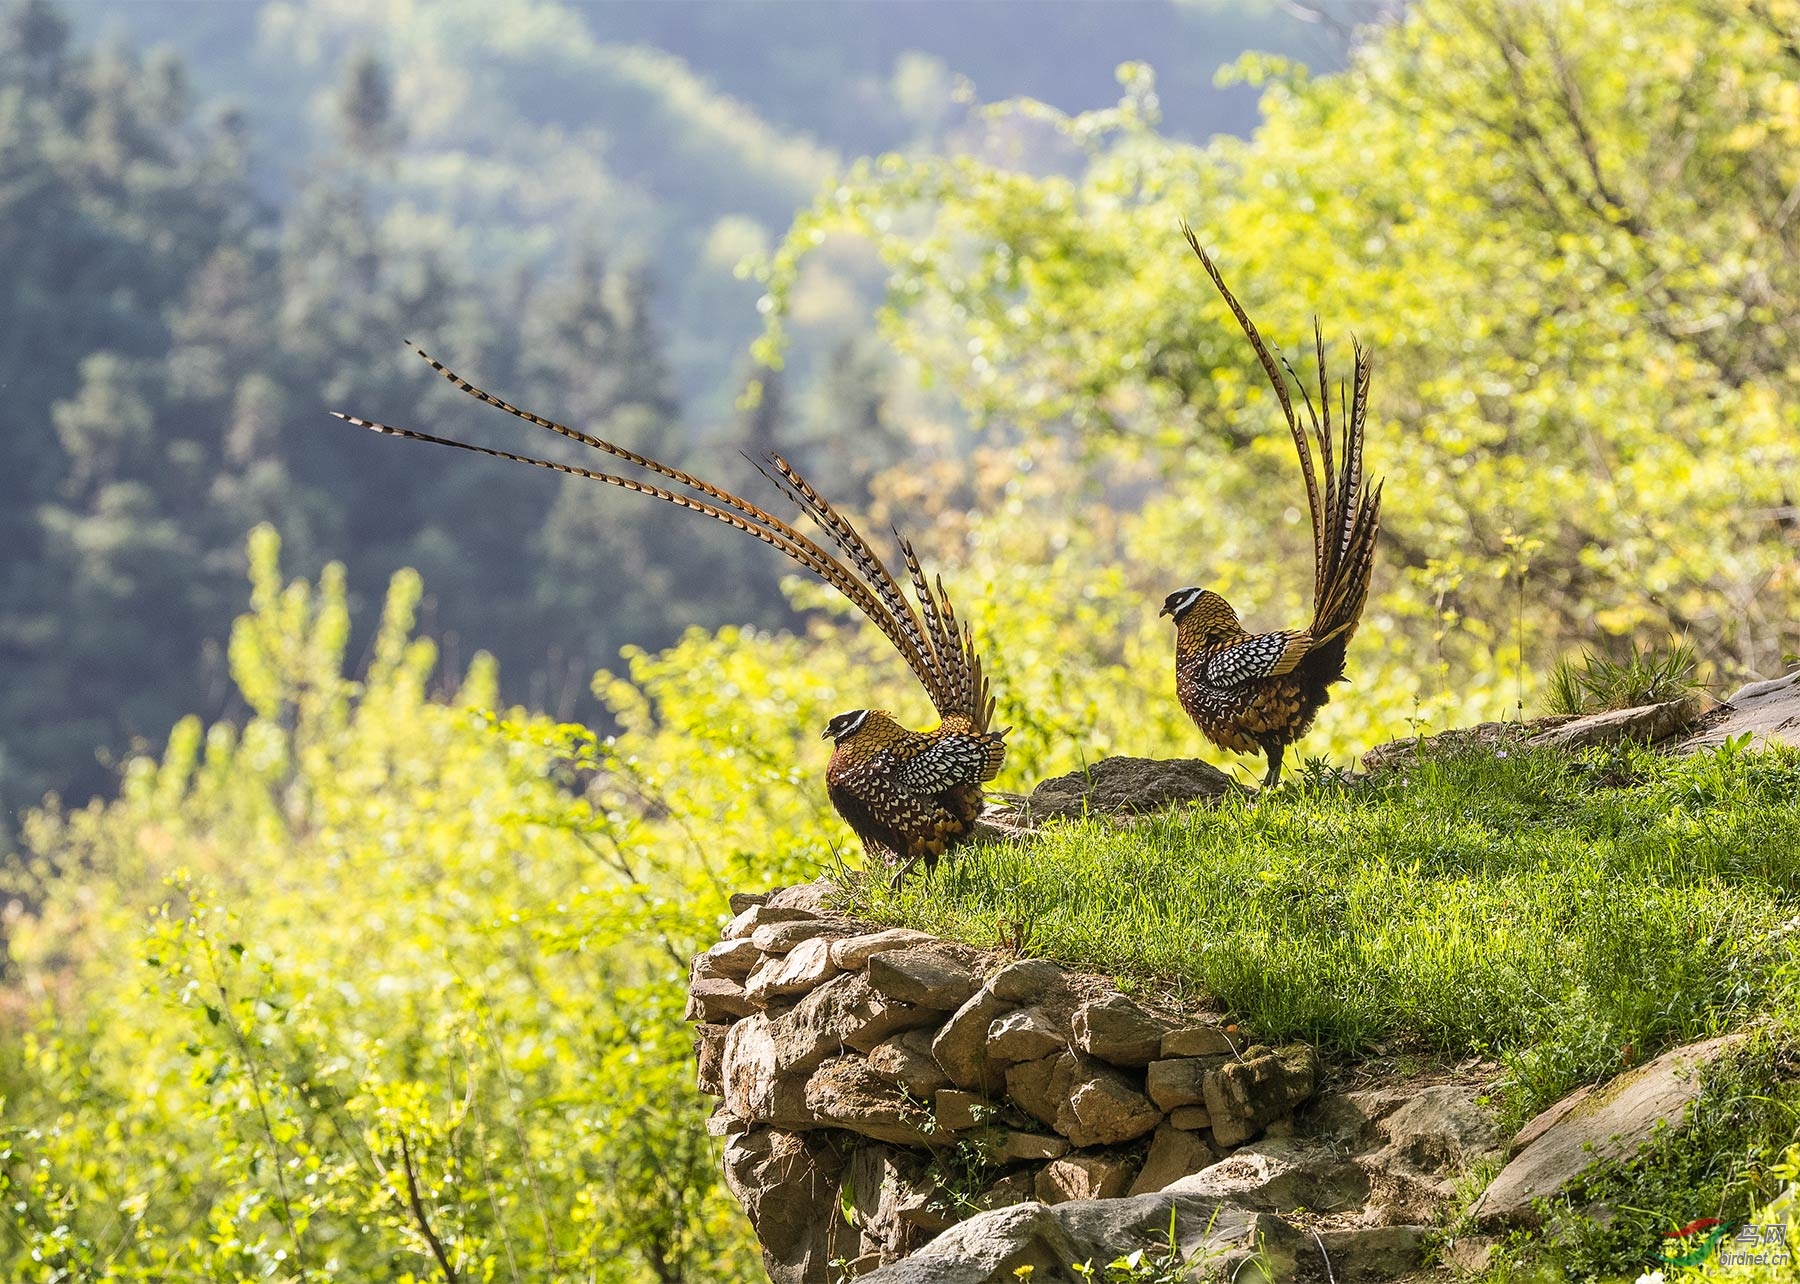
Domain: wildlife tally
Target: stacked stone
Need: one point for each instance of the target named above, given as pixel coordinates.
(852, 1062)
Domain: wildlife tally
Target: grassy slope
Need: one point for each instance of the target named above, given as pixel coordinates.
(1564, 916)
(1568, 917)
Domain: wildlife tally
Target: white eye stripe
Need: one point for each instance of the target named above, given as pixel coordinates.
(849, 727)
(1193, 596)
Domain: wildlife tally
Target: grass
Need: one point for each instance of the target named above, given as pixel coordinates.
(1565, 916)
(1649, 675)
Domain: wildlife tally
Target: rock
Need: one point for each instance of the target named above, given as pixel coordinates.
(755, 1085)
(733, 959)
(1547, 1119)
(1117, 1030)
(716, 999)
(1488, 737)
(1277, 1175)
(1103, 1109)
(1014, 1188)
(1178, 1081)
(1004, 1146)
(1361, 1253)
(855, 951)
(961, 1046)
(1768, 712)
(905, 1059)
(1084, 1177)
(1647, 723)
(1471, 1254)
(709, 1058)
(1032, 1085)
(1026, 1035)
(1174, 1154)
(779, 938)
(958, 1111)
(1610, 1123)
(932, 976)
(1435, 1135)
(1198, 1041)
(891, 1199)
(989, 1248)
(814, 897)
(1244, 1096)
(1126, 785)
(801, 969)
(1029, 981)
(845, 1093)
(722, 1123)
(790, 1193)
(759, 915)
(1191, 1118)
(845, 1012)
(741, 901)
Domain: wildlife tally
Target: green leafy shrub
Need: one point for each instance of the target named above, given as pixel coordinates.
(359, 991)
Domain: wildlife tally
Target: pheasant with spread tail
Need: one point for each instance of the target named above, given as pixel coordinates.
(910, 796)
(1259, 692)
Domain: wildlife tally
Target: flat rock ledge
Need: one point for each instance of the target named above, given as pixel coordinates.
(882, 1091)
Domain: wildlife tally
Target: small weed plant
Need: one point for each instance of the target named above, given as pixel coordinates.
(1647, 675)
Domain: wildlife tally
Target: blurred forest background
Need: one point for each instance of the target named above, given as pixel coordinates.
(220, 219)
(367, 964)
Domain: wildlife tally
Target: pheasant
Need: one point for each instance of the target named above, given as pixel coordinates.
(910, 796)
(1259, 692)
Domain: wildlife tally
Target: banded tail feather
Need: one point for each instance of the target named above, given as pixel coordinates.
(1255, 693)
(909, 795)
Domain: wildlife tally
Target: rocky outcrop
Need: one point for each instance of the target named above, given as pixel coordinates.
(913, 1109)
(1657, 724)
(1347, 1196)
(877, 1086)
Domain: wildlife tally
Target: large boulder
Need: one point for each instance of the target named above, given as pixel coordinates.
(1768, 712)
(1588, 1126)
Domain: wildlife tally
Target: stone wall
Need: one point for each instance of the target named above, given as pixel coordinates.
(879, 1086)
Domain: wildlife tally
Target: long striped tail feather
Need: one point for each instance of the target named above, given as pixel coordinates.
(873, 571)
(945, 664)
(770, 530)
(1346, 512)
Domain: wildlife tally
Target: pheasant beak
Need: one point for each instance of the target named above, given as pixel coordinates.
(825, 734)
(1163, 612)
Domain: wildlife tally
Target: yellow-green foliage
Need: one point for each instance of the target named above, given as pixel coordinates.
(1564, 228)
(376, 932)
(369, 933)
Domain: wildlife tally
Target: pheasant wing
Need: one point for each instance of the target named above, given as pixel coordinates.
(1263, 655)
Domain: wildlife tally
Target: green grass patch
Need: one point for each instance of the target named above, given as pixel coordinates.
(1566, 916)
(1647, 675)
